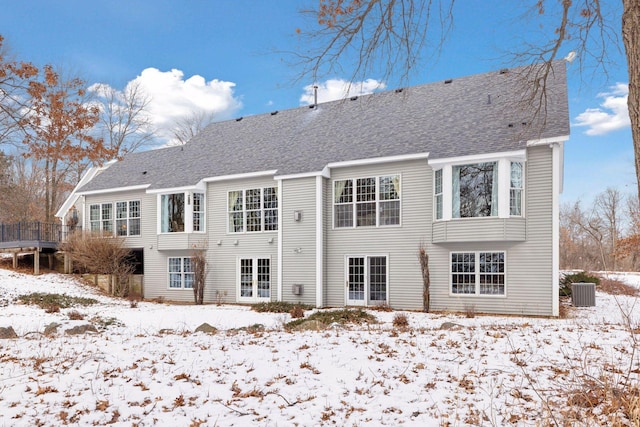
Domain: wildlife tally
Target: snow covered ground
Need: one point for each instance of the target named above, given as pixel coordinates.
(148, 367)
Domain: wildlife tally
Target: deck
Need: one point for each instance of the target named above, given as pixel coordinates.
(31, 237)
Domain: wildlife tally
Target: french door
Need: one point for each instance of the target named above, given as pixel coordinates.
(366, 280)
(254, 279)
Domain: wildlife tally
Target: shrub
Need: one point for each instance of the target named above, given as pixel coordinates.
(400, 320)
(52, 308)
(278, 307)
(580, 277)
(297, 312)
(342, 317)
(62, 301)
(75, 315)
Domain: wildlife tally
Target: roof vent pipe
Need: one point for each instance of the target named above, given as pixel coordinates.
(315, 96)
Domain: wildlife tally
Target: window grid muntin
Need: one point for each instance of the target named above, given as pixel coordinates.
(181, 274)
(356, 277)
(376, 202)
(478, 273)
(438, 193)
(516, 186)
(198, 212)
(378, 278)
(253, 210)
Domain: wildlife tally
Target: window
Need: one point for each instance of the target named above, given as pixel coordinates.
(198, 211)
(478, 273)
(475, 190)
(181, 275)
(515, 192)
(253, 210)
(437, 191)
(376, 202)
(101, 217)
(172, 212)
(128, 218)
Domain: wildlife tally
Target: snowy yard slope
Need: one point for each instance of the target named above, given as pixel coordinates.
(149, 367)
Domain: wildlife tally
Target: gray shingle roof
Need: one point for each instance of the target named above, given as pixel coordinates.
(477, 114)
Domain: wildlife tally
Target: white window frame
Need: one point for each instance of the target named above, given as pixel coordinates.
(354, 203)
(476, 273)
(520, 189)
(128, 219)
(182, 273)
(188, 212)
(201, 212)
(503, 160)
(262, 210)
(438, 196)
(366, 302)
(102, 221)
(254, 279)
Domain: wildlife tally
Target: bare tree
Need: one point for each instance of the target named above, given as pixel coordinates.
(392, 37)
(124, 122)
(608, 207)
(200, 269)
(189, 126)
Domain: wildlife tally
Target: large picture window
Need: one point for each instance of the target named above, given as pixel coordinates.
(253, 210)
(172, 212)
(366, 202)
(475, 190)
(181, 274)
(478, 273)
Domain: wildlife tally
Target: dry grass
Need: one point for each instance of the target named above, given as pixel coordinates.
(400, 320)
(616, 287)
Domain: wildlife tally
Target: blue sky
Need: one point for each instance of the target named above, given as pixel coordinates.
(223, 56)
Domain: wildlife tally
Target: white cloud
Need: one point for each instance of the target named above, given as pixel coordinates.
(334, 89)
(173, 98)
(613, 113)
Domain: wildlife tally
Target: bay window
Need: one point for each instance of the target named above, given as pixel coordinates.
(492, 188)
(182, 212)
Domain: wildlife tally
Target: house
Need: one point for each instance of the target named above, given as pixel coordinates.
(329, 204)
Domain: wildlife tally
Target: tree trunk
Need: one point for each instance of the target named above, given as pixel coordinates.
(631, 39)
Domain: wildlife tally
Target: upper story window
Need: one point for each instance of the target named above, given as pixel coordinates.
(253, 210)
(493, 188)
(475, 190)
(516, 188)
(198, 211)
(366, 202)
(101, 217)
(182, 212)
(437, 193)
(172, 212)
(128, 218)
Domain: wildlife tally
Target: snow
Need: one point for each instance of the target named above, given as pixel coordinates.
(150, 368)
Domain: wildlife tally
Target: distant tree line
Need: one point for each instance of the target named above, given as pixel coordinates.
(53, 127)
(603, 236)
